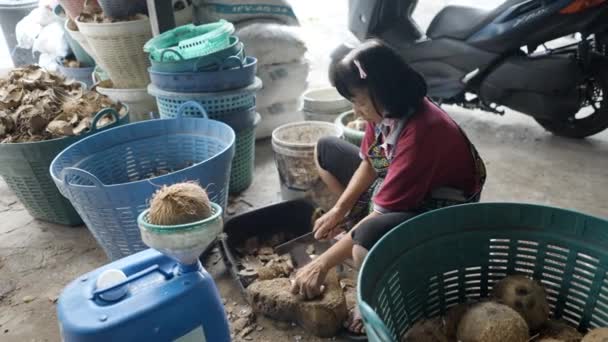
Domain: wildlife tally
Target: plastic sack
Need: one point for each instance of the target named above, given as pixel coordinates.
(277, 115)
(51, 41)
(48, 61)
(236, 11)
(282, 82)
(272, 43)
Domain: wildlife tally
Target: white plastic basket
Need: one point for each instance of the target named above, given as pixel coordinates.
(118, 49)
(139, 101)
(72, 30)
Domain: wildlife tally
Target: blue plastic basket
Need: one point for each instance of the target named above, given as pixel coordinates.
(215, 103)
(233, 73)
(103, 175)
(84, 74)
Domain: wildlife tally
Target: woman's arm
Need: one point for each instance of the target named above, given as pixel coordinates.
(359, 183)
(309, 279)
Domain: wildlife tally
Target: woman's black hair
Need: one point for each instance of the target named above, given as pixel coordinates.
(396, 90)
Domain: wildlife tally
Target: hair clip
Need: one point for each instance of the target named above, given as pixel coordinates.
(362, 73)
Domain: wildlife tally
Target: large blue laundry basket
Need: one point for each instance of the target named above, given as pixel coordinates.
(105, 176)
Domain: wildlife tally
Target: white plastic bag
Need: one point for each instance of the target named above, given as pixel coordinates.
(272, 43)
(277, 115)
(282, 82)
(48, 61)
(51, 41)
(237, 11)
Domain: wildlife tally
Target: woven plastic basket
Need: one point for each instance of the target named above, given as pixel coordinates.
(214, 102)
(353, 136)
(441, 258)
(25, 168)
(243, 122)
(81, 55)
(243, 164)
(72, 31)
(118, 50)
(105, 176)
(191, 41)
(203, 63)
(233, 73)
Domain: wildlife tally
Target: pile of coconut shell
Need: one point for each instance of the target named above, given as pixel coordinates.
(37, 105)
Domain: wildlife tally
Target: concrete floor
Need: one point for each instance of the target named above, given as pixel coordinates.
(525, 164)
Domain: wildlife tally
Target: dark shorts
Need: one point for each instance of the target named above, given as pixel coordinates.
(341, 159)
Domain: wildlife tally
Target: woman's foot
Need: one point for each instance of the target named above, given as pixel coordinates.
(355, 322)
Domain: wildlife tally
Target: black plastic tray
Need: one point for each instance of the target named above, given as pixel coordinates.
(291, 218)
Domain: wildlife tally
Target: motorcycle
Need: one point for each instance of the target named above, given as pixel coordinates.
(520, 55)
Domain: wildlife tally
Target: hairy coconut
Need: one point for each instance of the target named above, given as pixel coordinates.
(426, 330)
(559, 331)
(525, 296)
(179, 204)
(491, 322)
(596, 335)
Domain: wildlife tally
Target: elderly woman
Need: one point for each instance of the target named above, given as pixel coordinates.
(413, 158)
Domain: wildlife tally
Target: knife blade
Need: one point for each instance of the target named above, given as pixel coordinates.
(286, 247)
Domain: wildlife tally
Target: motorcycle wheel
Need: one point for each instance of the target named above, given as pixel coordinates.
(595, 101)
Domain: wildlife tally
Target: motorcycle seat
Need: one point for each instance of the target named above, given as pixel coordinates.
(456, 22)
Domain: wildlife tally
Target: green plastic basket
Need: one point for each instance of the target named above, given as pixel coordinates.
(190, 41)
(353, 136)
(25, 168)
(243, 164)
(441, 258)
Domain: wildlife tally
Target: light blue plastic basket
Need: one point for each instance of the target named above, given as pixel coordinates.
(215, 103)
(103, 175)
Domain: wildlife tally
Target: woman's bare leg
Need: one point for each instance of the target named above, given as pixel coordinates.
(333, 184)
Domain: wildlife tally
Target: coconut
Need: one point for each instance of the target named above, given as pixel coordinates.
(179, 204)
(453, 317)
(559, 331)
(490, 322)
(426, 330)
(596, 335)
(525, 296)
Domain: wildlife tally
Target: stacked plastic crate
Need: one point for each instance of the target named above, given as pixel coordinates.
(207, 64)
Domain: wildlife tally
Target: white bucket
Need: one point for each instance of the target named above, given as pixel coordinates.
(324, 104)
(139, 101)
(294, 146)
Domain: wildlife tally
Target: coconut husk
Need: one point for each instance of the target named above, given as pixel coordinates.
(39, 105)
(179, 204)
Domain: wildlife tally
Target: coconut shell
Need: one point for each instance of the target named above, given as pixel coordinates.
(179, 204)
(491, 322)
(426, 330)
(453, 317)
(596, 335)
(559, 331)
(525, 296)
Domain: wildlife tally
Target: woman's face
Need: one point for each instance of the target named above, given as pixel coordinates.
(364, 106)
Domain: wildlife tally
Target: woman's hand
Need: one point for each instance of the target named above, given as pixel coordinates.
(326, 227)
(309, 280)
